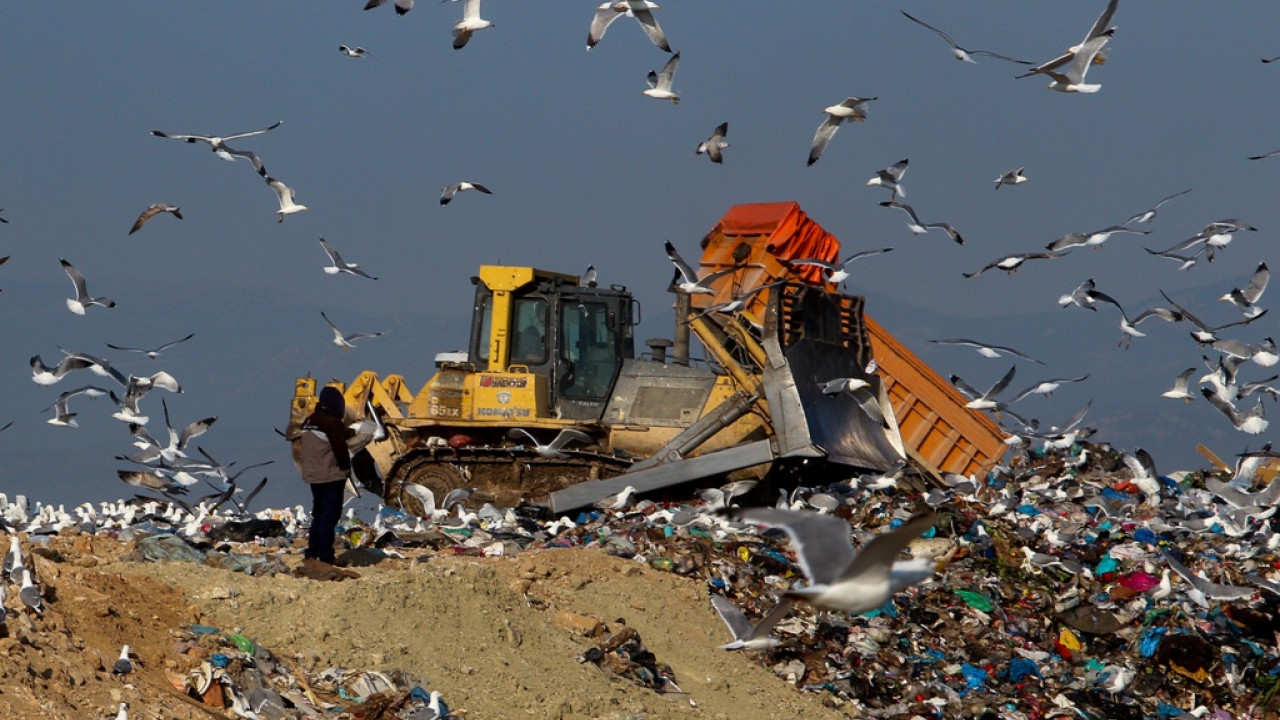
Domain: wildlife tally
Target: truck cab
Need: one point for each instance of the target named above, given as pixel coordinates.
(572, 338)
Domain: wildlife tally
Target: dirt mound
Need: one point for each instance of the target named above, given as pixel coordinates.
(498, 637)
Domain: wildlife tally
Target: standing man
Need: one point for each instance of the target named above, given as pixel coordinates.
(325, 463)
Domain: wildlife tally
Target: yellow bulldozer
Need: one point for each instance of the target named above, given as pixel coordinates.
(551, 404)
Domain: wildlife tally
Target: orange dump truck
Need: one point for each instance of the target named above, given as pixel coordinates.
(551, 403)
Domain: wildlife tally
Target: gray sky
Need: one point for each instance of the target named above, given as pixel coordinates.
(585, 169)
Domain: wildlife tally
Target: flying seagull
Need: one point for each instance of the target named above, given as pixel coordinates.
(835, 273)
(152, 211)
(152, 352)
(852, 108)
(346, 341)
(82, 300)
(1179, 390)
(1187, 261)
(469, 24)
(1130, 327)
(1080, 56)
(353, 52)
(713, 145)
(1146, 216)
(736, 303)
(1246, 298)
(62, 416)
(339, 265)
(450, 190)
(987, 350)
(917, 227)
(660, 82)
(839, 578)
(984, 400)
(402, 6)
(745, 635)
(641, 10)
(1080, 296)
(1011, 177)
(1094, 239)
(962, 54)
(1046, 387)
(42, 374)
(219, 144)
(687, 278)
(555, 448)
(285, 195)
(891, 178)
(861, 391)
(1252, 421)
(1011, 263)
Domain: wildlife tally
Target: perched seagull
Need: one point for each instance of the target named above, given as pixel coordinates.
(470, 23)
(917, 227)
(219, 144)
(588, 278)
(450, 190)
(1206, 334)
(152, 352)
(353, 52)
(346, 341)
(1080, 56)
(82, 300)
(402, 6)
(1081, 297)
(854, 108)
(641, 10)
(30, 594)
(1179, 390)
(987, 350)
(123, 713)
(1011, 177)
(555, 448)
(1251, 421)
(618, 501)
(836, 273)
(745, 635)
(713, 145)
(124, 665)
(660, 82)
(1146, 216)
(891, 178)
(285, 195)
(339, 265)
(12, 560)
(839, 579)
(152, 211)
(986, 400)
(1245, 298)
(963, 54)
(1046, 387)
(63, 417)
(1011, 263)
(687, 278)
(861, 391)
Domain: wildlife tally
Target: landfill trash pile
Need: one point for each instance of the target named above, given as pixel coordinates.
(1075, 582)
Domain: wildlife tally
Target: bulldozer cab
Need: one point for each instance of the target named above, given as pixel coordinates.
(542, 323)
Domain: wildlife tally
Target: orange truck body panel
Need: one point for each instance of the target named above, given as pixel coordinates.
(932, 416)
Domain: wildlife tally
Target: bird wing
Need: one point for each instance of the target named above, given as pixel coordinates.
(334, 257)
(1015, 353)
(77, 279)
(336, 332)
(649, 24)
(194, 430)
(815, 261)
(252, 157)
(145, 216)
(733, 618)
(683, 267)
(568, 435)
(879, 554)
(604, 17)
(253, 132)
(1001, 384)
(965, 388)
(668, 72)
(1258, 284)
(1100, 25)
(936, 30)
(823, 136)
(821, 541)
(910, 211)
(864, 253)
(188, 138)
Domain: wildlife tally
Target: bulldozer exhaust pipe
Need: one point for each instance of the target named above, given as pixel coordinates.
(680, 346)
